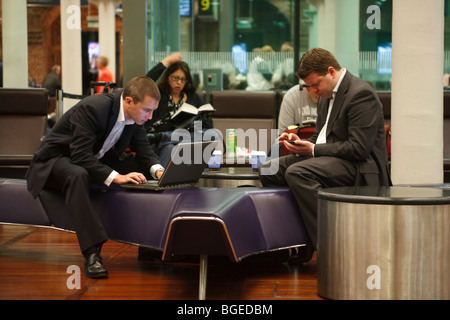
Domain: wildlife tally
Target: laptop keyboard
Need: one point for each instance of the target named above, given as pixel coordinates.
(153, 185)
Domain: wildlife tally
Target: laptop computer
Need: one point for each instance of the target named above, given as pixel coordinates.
(185, 168)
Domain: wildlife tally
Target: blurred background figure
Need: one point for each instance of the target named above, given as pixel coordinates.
(52, 81)
(260, 72)
(104, 73)
(283, 77)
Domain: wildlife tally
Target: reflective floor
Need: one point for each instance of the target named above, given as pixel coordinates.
(42, 263)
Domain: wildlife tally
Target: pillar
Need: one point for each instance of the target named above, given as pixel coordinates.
(417, 96)
(347, 34)
(71, 65)
(15, 43)
(134, 30)
(338, 30)
(107, 31)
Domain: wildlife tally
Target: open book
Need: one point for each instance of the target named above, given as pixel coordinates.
(305, 124)
(188, 110)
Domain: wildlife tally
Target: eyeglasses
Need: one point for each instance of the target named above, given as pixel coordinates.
(176, 79)
(301, 86)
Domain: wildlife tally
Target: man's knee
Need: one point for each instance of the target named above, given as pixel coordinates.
(268, 173)
(297, 173)
(78, 175)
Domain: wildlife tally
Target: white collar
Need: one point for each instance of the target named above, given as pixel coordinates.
(121, 117)
(336, 88)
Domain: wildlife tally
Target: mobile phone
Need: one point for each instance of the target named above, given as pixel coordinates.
(292, 141)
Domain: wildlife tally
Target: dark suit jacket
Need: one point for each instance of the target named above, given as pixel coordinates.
(80, 134)
(355, 131)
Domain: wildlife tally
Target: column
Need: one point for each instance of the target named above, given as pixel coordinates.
(417, 97)
(15, 43)
(107, 30)
(225, 26)
(322, 21)
(71, 65)
(167, 25)
(338, 30)
(134, 30)
(347, 34)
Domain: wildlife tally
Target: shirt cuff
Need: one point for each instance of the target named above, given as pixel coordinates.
(155, 168)
(313, 150)
(110, 178)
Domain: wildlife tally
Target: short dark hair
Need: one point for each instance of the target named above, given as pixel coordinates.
(190, 86)
(316, 60)
(140, 87)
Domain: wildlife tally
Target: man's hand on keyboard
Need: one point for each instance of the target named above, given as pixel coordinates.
(132, 177)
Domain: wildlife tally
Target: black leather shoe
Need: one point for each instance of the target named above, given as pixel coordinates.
(93, 267)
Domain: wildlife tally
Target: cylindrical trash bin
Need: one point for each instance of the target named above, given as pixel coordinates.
(383, 243)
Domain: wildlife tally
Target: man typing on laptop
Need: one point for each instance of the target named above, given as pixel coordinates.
(87, 146)
(184, 169)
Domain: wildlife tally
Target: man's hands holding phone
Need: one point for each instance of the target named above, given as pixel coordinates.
(296, 145)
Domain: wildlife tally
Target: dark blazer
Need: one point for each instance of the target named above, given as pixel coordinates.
(80, 134)
(353, 132)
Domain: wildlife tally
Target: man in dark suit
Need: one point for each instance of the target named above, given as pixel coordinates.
(87, 146)
(348, 147)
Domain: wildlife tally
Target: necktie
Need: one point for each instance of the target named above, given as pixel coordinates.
(322, 138)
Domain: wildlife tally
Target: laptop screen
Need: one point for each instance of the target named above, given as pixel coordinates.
(188, 160)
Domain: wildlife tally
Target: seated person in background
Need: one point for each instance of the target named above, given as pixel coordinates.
(283, 77)
(299, 105)
(446, 79)
(259, 76)
(52, 81)
(176, 87)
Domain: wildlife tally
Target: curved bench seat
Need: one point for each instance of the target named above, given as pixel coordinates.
(243, 221)
(18, 206)
(233, 222)
(246, 221)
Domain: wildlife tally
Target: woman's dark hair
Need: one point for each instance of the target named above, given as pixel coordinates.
(189, 86)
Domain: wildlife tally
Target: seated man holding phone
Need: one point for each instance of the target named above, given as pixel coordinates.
(348, 146)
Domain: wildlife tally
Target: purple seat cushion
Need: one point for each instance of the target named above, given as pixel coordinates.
(18, 206)
(233, 222)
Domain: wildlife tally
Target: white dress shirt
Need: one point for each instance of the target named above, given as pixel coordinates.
(112, 139)
(323, 132)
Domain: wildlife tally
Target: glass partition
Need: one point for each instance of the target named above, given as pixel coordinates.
(241, 37)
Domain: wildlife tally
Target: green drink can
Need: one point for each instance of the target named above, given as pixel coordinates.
(231, 143)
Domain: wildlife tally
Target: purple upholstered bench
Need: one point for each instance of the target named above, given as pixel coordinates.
(233, 222)
(18, 206)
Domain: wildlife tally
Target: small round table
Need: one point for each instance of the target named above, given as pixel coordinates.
(384, 243)
(230, 177)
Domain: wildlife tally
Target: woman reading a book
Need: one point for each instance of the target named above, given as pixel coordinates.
(178, 92)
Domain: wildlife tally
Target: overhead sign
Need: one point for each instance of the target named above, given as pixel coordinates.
(205, 8)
